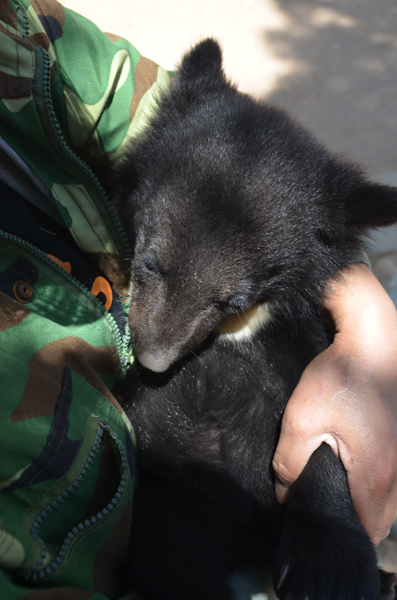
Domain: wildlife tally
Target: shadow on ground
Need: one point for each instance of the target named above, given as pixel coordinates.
(344, 83)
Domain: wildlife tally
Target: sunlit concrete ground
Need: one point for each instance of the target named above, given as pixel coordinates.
(331, 63)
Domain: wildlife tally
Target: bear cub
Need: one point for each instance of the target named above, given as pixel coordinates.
(237, 219)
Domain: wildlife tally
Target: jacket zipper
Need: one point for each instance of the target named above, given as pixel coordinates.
(59, 138)
(76, 163)
(122, 343)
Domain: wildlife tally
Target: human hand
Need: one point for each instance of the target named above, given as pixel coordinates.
(347, 397)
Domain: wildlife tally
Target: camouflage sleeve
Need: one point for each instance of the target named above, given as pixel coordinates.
(70, 96)
(108, 87)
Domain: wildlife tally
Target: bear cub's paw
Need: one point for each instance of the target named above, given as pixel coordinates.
(388, 585)
(312, 564)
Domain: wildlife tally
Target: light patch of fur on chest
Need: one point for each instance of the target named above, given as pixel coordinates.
(242, 326)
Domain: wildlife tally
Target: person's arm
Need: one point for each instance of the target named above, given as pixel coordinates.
(347, 397)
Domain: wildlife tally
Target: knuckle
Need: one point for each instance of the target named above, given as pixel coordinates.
(296, 425)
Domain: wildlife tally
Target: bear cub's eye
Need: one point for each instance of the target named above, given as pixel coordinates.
(151, 264)
(233, 304)
(238, 303)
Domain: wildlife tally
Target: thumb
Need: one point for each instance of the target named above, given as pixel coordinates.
(289, 461)
(306, 420)
(297, 443)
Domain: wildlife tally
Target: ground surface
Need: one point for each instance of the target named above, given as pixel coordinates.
(331, 63)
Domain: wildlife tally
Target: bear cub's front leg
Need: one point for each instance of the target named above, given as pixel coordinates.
(324, 552)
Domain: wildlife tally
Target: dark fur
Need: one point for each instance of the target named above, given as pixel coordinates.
(229, 203)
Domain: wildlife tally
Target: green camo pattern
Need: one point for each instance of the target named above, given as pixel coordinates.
(71, 99)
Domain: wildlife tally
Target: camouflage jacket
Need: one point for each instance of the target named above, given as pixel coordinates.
(70, 99)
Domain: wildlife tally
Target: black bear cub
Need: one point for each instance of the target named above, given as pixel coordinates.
(237, 219)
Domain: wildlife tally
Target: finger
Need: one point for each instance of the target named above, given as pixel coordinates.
(389, 517)
(390, 505)
(291, 457)
(282, 491)
(379, 529)
(288, 465)
(375, 502)
(294, 449)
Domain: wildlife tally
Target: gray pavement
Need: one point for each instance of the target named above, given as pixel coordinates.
(331, 63)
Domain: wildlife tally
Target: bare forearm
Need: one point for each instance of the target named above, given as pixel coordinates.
(347, 397)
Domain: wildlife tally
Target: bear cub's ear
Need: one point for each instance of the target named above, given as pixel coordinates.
(372, 205)
(203, 63)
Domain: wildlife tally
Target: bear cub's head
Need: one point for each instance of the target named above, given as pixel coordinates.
(228, 203)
